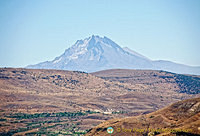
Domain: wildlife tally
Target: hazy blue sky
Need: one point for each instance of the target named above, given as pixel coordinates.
(32, 31)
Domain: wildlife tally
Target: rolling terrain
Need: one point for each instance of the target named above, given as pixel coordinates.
(181, 118)
(57, 102)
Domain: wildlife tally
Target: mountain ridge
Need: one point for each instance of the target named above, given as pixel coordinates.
(97, 53)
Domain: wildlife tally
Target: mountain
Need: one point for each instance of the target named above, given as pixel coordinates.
(175, 67)
(179, 119)
(99, 53)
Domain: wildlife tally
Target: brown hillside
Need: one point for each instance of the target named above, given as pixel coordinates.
(31, 100)
(181, 118)
(26, 90)
(154, 80)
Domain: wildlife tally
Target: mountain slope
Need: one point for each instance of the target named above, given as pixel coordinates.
(174, 67)
(96, 53)
(181, 118)
(134, 53)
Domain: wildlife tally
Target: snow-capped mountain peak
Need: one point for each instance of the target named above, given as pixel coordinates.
(99, 53)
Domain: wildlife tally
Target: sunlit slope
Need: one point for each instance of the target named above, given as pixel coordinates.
(181, 118)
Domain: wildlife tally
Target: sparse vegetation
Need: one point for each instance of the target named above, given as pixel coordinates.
(48, 123)
(54, 102)
(188, 84)
(2, 119)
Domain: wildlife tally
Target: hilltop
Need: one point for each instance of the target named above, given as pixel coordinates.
(189, 84)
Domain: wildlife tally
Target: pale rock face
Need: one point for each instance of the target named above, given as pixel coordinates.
(99, 53)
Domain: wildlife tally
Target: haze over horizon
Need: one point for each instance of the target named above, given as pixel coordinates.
(36, 31)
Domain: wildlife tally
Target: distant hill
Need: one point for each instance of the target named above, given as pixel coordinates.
(189, 84)
(100, 53)
(179, 119)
